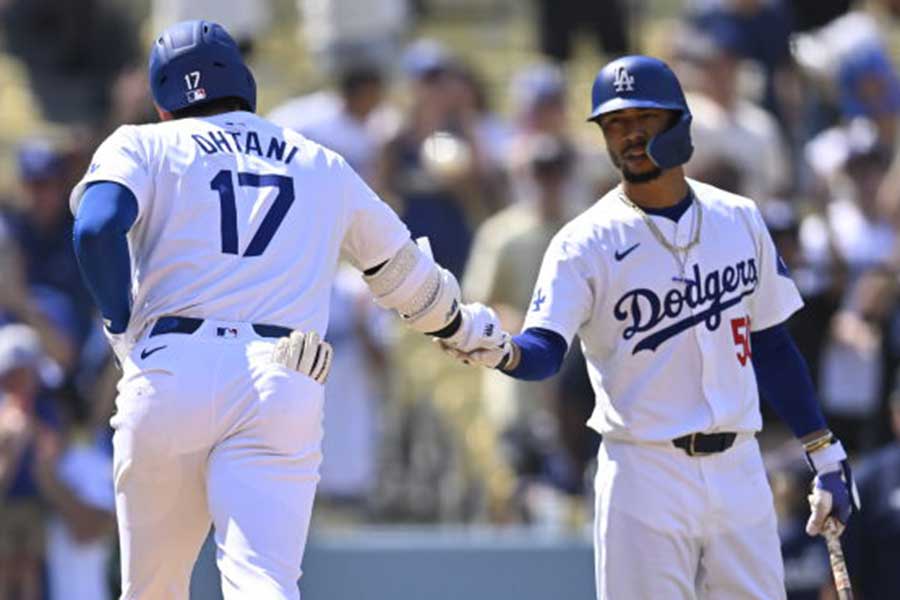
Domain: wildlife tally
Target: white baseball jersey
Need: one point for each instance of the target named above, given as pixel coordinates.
(240, 220)
(666, 358)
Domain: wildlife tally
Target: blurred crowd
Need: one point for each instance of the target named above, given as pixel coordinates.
(795, 104)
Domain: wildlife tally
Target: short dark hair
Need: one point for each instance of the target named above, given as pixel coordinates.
(213, 107)
(359, 76)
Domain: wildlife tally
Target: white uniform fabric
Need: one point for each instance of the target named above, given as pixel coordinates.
(667, 359)
(701, 528)
(208, 428)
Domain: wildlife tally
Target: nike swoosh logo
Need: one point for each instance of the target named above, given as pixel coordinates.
(620, 255)
(145, 353)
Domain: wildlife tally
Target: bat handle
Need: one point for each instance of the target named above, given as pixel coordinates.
(836, 557)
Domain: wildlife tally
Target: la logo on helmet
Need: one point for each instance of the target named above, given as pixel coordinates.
(624, 81)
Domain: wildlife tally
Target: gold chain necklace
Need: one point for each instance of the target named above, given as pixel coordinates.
(679, 253)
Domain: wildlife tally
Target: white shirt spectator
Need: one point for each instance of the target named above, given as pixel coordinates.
(353, 395)
(321, 117)
(747, 137)
(78, 569)
(862, 243)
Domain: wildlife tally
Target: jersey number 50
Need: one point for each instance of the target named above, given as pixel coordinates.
(224, 184)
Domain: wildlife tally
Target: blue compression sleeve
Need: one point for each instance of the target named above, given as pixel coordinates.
(542, 353)
(106, 213)
(784, 381)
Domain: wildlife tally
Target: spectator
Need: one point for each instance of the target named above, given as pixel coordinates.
(850, 56)
(501, 272)
(75, 479)
(872, 541)
(358, 331)
(761, 29)
(433, 166)
(354, 123)
(540, 108)
(852, 373)
(43, 231)
(27, 420)
(726, 126)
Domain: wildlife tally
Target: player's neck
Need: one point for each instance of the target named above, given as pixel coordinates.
(666, 190)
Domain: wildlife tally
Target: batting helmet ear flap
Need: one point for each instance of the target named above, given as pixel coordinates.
(646, 82)
(673, 146)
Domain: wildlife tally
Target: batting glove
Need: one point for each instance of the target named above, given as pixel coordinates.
(305, 353)
(504, 356)
(479, 328)
(834, 492)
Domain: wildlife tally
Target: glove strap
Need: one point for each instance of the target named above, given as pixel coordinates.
(511, 358)
(828, 458)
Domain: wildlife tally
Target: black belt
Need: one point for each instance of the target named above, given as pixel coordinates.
(190, 325)
(700, 444)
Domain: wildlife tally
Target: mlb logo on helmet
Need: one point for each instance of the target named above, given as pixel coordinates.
(196, 95)
(624, 81)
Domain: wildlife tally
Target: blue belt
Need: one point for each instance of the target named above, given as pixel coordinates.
(189, 325)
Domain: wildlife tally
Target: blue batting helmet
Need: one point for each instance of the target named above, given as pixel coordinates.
(646, 82)
(193, 62)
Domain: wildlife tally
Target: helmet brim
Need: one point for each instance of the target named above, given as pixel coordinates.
(616, 104)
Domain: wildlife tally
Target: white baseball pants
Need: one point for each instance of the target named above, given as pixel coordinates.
(209, 430)
(678, 527)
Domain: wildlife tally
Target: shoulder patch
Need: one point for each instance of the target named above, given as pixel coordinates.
(782, 267)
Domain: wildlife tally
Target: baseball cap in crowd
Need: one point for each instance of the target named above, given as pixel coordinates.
(536, 85)
(868, 84)
(39, 159)
(426, 57)
(20, 347)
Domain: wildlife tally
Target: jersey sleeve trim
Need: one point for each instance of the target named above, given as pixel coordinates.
(779, 317)
(78, 191)
(531, 323)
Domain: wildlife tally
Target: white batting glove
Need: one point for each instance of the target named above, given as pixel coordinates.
(305, 353)
(480, 328)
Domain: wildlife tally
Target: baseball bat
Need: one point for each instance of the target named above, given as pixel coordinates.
(836, 558)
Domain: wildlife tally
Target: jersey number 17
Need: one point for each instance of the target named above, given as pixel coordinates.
(224, 184)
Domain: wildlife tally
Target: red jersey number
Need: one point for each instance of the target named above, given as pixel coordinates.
(740, 329)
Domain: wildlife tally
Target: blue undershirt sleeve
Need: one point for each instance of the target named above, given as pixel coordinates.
(784, 381)
(542, 353)
(106, 213)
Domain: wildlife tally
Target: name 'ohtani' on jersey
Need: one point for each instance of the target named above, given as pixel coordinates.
(245, 142)
(645, 309)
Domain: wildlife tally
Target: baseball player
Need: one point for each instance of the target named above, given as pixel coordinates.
(679, 298)
(209, 242)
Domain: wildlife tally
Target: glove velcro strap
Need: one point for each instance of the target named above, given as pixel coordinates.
(305, 353)
(828, 458)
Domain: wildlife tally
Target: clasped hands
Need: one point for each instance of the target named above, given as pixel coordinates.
(480, 339)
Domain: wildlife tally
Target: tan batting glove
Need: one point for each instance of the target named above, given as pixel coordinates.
(305, 353)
